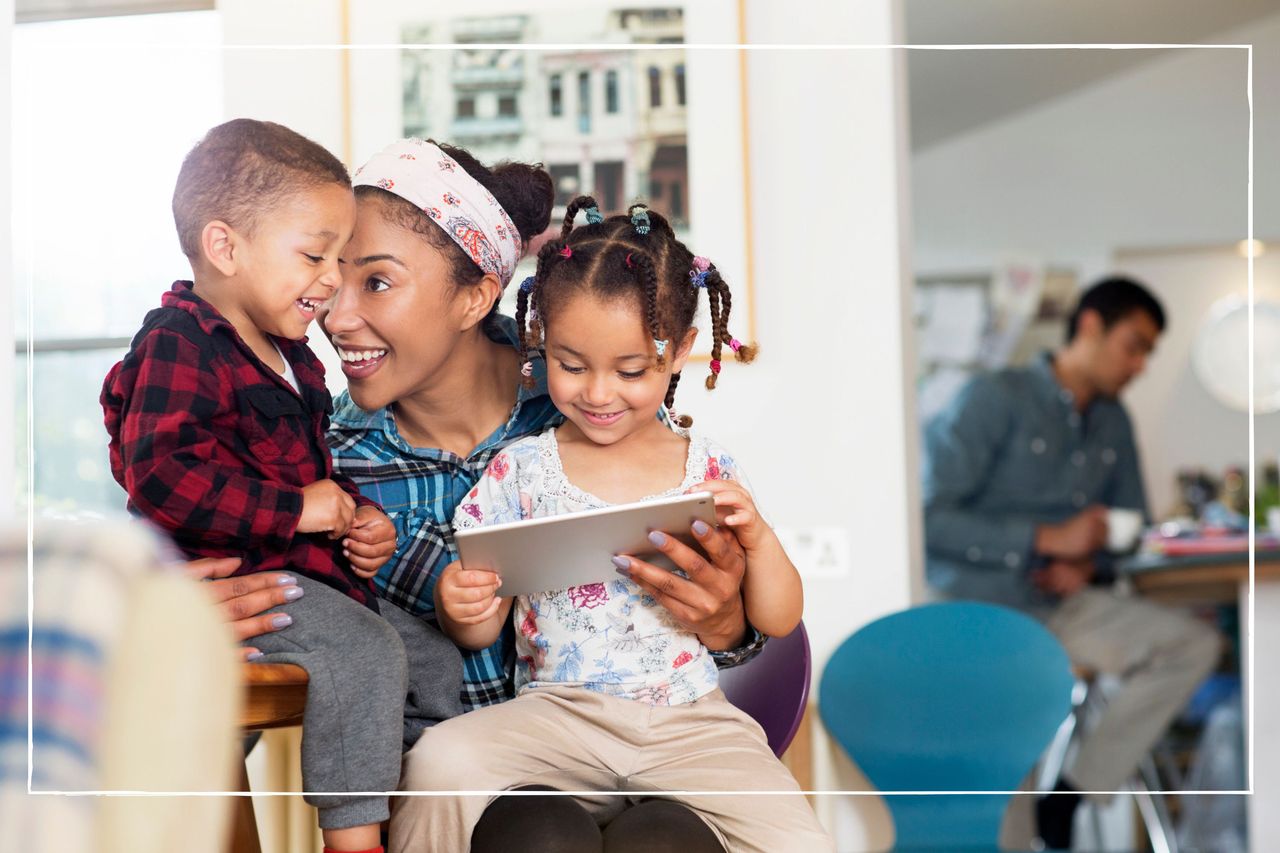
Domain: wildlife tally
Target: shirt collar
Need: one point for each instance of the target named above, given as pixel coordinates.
(1047, 384)
(182, 297)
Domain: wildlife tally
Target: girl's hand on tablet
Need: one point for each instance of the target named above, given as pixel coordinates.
(468, 597)
(736, 510)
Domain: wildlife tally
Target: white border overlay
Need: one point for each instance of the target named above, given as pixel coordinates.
(1248, 48)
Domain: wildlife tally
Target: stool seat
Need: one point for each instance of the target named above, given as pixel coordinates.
(275, 695)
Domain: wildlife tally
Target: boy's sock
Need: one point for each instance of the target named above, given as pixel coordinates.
(1055, 814)
(377, 849)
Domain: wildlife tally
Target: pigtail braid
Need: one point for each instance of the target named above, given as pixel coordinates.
(745, 353)
(580, 203)
(682, 421)
(717, 332)
(522, 305)
(649, 279)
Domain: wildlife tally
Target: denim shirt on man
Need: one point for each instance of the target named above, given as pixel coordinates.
(1009, 453)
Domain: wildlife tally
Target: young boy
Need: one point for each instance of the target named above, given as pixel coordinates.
(217, 418)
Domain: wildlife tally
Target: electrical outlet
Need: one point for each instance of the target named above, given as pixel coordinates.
(818, 552)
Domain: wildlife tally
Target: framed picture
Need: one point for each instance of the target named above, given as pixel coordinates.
(610, 97)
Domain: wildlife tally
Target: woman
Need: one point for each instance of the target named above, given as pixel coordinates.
(434, 391)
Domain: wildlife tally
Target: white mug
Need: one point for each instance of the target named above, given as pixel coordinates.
(1123, 528)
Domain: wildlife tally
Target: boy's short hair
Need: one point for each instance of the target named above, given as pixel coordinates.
(241, 170)
(1114, 299)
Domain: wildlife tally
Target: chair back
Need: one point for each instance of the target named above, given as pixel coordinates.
(956, 696)
(773, 687)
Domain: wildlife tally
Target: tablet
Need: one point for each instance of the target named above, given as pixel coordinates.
(545, 554)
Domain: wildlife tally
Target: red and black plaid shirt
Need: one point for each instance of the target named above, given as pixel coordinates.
(215, 447)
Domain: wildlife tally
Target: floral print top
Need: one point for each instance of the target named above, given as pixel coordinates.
(611, 637)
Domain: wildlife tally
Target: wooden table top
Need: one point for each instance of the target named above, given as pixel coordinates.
(1198, 578)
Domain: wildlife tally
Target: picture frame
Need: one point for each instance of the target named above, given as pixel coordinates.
(718, 221)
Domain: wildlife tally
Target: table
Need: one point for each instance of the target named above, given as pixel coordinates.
(1224, 579)
(1199, 578)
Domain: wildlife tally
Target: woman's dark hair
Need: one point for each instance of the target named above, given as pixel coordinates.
(633, 256)
(1114, 299)
(524, 190)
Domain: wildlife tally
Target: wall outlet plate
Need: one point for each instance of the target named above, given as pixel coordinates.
(818, 552)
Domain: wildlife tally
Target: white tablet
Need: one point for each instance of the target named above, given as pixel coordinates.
(545, 554)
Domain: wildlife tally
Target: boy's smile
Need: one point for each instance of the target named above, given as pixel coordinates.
(287, 267)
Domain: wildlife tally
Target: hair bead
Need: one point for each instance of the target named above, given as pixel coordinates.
(565, 252)
(640, 218)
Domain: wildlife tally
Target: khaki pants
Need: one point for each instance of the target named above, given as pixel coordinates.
(1161, 655)
(574, 739)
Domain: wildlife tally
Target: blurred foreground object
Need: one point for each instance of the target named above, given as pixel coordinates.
(135, 687)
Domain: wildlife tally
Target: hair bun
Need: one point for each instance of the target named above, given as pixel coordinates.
(527, 193)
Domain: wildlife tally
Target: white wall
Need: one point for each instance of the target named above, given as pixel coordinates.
(1154, 156)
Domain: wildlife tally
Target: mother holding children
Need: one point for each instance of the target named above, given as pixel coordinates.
(325, 527)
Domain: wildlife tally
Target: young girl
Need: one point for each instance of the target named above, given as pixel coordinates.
(612, 694)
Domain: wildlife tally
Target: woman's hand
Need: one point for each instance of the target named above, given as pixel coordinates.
(370, 542)
(243, 600)
(709, 602)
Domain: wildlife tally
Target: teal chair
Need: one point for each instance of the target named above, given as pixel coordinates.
(947, 697)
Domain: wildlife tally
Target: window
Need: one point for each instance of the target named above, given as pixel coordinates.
(507, 107)
(567, 181)
(555, 92)
(466, 107)
(655, 86)
(112, 275)
(680, 84)
(677, 200)
(655, 191)
(584, 101)
(611, 92)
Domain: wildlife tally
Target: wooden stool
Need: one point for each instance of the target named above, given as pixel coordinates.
(275, 696)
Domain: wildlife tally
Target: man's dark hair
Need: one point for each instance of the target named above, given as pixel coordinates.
(242, 170)
(1114, 299)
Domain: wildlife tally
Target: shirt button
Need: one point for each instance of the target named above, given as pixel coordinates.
(1012, 559)
(1038, 445)
(1108, 457)
(1078, 458)
(1078, 499)
(974, 553)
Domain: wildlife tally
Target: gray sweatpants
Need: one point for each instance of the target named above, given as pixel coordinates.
(352, 725)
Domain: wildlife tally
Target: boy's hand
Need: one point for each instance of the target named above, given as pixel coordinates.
(736, 510)
(326, 508)
(370, 542)
(467, 597)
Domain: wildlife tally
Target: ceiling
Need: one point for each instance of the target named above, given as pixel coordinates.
(955, 91)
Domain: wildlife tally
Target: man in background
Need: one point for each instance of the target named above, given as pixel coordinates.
(1020, 472)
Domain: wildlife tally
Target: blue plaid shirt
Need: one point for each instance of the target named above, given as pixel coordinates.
(419, 488)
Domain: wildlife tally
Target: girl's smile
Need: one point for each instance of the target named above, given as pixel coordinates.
(601, 367)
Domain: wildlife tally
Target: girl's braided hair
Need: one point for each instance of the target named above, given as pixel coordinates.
(637, 256)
